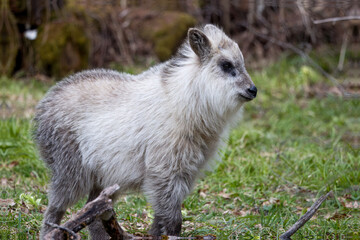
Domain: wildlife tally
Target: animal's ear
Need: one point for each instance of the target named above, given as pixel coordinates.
(199, 43)
(211, 28)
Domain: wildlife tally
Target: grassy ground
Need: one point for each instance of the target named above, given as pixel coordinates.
(294, 144)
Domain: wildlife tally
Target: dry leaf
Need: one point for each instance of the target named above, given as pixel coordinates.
(338, 216)
(271, 201)
(202, 194)
(354, 205)
(241, 213)
(224, 195)
(3, 182)
(7, 202)
(13, 164)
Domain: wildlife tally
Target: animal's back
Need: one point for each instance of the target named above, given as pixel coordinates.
(57, 135)
(58, 114)
(92, 124)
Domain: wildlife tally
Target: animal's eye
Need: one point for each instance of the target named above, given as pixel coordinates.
(228, 67)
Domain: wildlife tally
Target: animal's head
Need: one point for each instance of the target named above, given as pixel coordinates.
(222, 65)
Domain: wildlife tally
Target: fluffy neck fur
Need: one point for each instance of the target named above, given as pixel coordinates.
(197, 105)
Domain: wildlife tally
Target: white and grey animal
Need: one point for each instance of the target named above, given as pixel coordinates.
(153, 132)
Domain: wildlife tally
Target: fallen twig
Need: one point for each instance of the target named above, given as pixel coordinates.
(306, 217)
(113, 228)
(101, 207)
(72, 234)
(306, 19)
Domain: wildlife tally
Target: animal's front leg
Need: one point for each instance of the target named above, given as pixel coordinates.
(167, 225)
(166, 194)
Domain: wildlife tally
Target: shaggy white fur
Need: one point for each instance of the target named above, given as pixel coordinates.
(152, 132)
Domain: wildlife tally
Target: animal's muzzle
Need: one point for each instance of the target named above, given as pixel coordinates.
(252, 91)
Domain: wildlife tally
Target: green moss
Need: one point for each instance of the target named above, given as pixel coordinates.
(62, 48)
(9, 40)
(171, 36)
(166, 32)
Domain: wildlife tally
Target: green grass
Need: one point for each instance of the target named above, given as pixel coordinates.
(287, 151)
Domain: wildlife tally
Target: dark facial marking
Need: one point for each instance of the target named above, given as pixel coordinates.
(228, 67)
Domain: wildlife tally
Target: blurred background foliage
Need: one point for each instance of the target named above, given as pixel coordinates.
(58, 37)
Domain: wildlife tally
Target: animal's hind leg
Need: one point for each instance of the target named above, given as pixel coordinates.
(63, 194)
(96, 228)
(52, 215)
(58, 202)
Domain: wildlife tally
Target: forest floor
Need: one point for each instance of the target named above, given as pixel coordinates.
(297, 140)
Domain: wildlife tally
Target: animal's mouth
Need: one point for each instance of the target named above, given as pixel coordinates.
(247, 98)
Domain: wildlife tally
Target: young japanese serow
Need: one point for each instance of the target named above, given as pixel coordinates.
(153, 132)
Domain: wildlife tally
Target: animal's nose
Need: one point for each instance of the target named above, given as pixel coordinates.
(252, 91)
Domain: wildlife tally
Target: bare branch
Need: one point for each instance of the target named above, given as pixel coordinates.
(306, 20)
(113, 228)
(336, 19)
(306, 217)
(67, 230)
(303, 55)
(101, 207)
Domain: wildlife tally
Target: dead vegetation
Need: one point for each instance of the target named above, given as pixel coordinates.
(126, 31)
